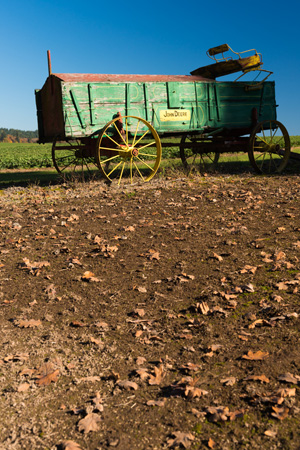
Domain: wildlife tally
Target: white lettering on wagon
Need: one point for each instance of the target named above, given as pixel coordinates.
(167, 115)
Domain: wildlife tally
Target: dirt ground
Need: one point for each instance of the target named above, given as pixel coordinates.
(164, 315)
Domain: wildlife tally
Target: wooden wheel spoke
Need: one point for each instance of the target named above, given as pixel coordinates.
(138, 170)
(111, 149)
(143, 162)
(121, 173)
(109, 159)
(119, 133)
(135, 134)
(147, 154)
(142, 137)
(115, 168)
(147, 145)
(263, 140)
(109, 137)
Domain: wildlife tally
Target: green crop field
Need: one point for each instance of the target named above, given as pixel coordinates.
(26, 156)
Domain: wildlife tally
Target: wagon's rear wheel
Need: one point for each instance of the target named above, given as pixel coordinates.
(195, 156)
(128, 148)
(269, 147)
(72, 158)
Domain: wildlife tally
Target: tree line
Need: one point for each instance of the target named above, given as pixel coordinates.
(13, 135)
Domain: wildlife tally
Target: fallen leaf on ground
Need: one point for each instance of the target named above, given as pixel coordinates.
(152, 254)
(248, 269)
(23, 387)
(70, 445)
(31, 323)
(194, 392)
(280, 412)
(270, 433)
(89, 423)
(45, 380)
(261, 378)
(156, 402)
(257, 356)
(211, 443)
(127, 385)
(158, 376)
(203, 308)
(289, 378)
(140, 360)
(184, 439)
(89, 276)
(217, 257)
(230, 381)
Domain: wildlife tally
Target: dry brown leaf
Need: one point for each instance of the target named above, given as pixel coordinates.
(258, 322)
(270, 433)
(31, 323)
(91, 379)
(89, 423)
(184, 439)
(280, 412)
(45, 380)
(248, 269)
(96, 341)
(143, 374)
(261, 378)
(50, 292)
(102, 325)
(89, 276)
(152, 254)
(281, 286)
(98, 401)
(193, 392)
(211, 443)
(156, 402)
(75, 261)
(70, 445)
(140, 360)
(217, 257)
(257, 356)
(230, 381)
(27, 372)
(139, 312)
(287, 392)
(203, 308)
(127, 385)
(289, 378)
(141, 289)
(158, 376)
(77, 324)
(23, 387)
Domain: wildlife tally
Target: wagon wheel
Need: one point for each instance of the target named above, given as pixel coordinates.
(73, 158)
(194, 157)
(269, 147)
(131, 147)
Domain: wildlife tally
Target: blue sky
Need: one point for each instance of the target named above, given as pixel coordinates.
(158, 37)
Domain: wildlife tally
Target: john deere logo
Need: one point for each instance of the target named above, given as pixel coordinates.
(174, 115)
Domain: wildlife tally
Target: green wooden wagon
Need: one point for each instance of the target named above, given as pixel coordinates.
(114, 122)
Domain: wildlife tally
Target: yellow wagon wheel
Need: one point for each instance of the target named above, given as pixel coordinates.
(128, 147)
(195, 157)
(269, 147)
(72, 158)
